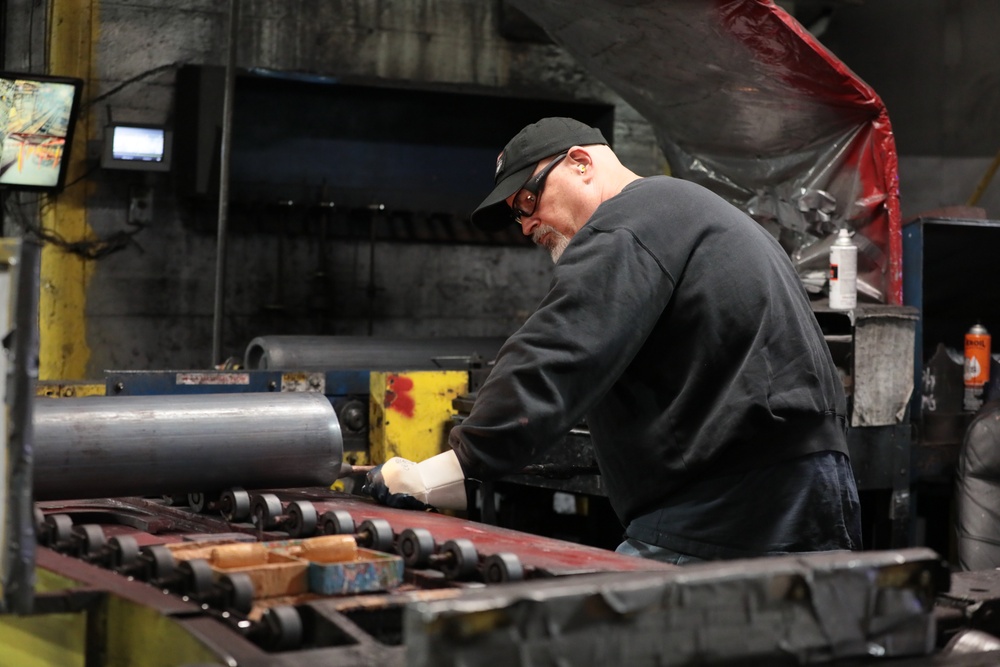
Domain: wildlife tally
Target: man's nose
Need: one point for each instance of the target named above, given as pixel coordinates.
(528, 224)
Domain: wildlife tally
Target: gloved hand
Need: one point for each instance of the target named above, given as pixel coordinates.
(377, 486)
(437, 482)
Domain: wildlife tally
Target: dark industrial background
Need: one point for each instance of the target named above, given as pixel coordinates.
(363, 134)
(366, 92)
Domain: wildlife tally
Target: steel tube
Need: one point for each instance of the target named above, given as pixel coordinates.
(98, 447)
(369, 353)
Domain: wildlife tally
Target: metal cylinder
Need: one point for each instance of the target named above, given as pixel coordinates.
(98, 447)
(368, 353)
(843, 272)
(976, 370)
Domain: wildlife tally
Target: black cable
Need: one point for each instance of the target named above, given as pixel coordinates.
(128, 82)
(87, 249)
(109, 93)
(93, 249)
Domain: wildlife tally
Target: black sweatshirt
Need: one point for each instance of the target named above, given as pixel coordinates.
(677, 326)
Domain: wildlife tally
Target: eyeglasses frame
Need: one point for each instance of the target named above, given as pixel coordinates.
(534, 187)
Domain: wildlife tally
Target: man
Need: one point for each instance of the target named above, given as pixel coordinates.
(678, 327)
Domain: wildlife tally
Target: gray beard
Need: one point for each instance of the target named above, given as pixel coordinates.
(557, 242)
(556, 250)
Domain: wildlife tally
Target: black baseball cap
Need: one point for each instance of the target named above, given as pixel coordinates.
(517, 161)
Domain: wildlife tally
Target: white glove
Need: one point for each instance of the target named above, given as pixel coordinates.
(437, 481)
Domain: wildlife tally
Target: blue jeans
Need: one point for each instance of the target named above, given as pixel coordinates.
(631, 547)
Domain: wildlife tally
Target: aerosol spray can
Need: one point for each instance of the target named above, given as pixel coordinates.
(843, 272)
(977, 366)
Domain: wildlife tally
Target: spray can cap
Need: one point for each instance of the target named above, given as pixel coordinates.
(843, 237)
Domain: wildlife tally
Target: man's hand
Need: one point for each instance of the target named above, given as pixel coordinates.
(437, 482)
(401, 474)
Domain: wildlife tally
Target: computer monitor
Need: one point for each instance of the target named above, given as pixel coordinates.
(137, 146)
(37, 118)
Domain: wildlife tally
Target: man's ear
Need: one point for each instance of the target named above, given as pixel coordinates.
(579, 159)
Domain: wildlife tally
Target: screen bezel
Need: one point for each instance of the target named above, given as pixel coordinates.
(74, 113)
(108, 160)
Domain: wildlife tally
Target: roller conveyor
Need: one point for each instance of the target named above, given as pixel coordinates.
(425, 588)
(449, 607)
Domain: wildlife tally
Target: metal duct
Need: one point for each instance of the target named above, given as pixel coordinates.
(369, 353)
(99, 447)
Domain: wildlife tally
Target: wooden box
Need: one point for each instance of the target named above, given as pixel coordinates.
(272, 573)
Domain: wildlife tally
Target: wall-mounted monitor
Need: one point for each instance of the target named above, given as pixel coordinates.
(136, 146)
(37, 117)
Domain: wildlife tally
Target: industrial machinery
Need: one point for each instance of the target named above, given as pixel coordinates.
(140, 581)
(398, 397)
(248, 575)
(345, 369)
(201, 518)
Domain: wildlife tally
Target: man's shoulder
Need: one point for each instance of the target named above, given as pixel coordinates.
(657, 207)
(664, 182)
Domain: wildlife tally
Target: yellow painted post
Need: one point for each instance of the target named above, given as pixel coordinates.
(71, 389)
(411, 412)
(62, 341)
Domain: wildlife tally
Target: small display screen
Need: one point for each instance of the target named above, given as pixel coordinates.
(36, 126)
(136, 146)
(145, 144)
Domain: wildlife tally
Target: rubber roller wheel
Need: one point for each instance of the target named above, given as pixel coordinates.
(196, 577)
(302, 519)
(58, 529)
(234, 504)
(416, 546)
(265, 510)
(158, 563)
(283, 626)
(460, 559)
(237, 592)
(89, 539)
(504, 567)
(199, 502)
(43, 528)
(337, 522)
(375, 534)
(124, 551)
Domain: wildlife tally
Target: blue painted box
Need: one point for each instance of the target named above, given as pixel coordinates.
(373, 571)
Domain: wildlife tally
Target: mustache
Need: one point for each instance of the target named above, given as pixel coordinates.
(540, 231)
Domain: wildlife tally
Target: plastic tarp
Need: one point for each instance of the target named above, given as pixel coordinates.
(745, 101)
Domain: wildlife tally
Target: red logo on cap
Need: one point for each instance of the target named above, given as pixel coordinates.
(499, 164)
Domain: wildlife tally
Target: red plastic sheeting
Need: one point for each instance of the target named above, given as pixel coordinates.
(745, 101)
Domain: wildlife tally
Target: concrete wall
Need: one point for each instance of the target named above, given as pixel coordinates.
(150, 305)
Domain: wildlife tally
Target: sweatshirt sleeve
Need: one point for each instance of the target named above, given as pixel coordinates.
(606, 295)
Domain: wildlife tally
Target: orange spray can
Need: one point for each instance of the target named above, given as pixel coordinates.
(977, 366)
